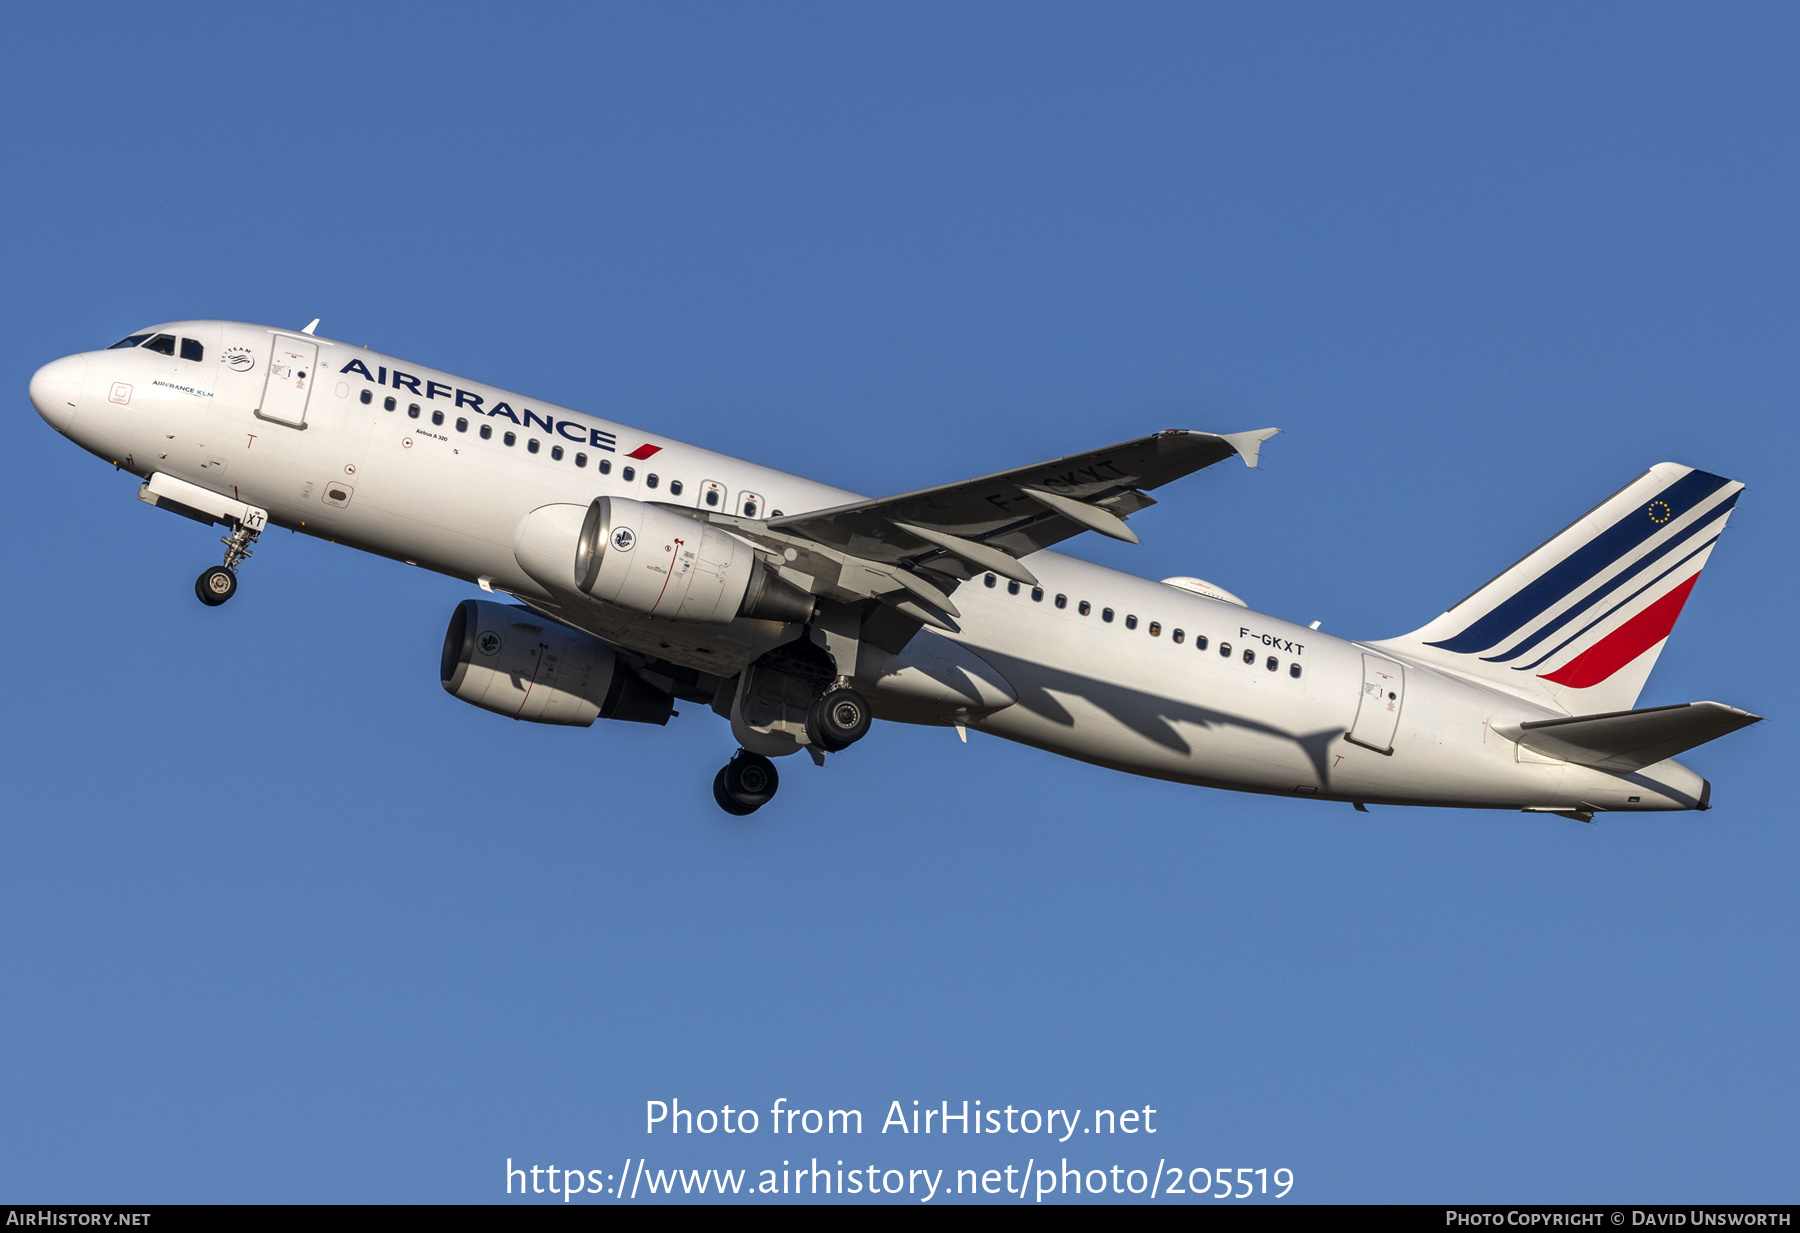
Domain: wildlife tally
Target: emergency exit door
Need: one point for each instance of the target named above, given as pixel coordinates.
(290, 381)
(1378, 713)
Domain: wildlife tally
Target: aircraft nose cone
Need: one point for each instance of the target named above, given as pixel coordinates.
(56, 390)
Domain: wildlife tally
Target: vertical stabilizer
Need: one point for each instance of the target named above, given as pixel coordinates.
(1578, 624)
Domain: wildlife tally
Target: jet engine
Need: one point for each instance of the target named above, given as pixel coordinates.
(515, 663)
(653, 560)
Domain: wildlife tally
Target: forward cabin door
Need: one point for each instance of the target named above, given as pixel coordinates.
(290, 381)
(1378, 714)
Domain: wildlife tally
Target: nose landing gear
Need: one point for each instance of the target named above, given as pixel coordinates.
(745, 784)
(219, 583)
(215, 586)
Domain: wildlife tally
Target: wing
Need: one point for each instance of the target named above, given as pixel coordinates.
(911, 550)
(1024, 510)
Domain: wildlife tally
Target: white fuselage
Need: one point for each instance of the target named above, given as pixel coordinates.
(1222, 705)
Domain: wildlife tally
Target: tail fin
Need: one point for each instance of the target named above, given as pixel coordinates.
(1579, 622)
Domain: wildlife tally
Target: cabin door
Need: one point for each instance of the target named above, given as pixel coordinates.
(1378, 713)
(291, 378)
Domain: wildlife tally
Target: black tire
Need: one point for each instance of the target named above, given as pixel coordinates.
(838, 720)
(215, 586)
(750, 780)
(724, 798)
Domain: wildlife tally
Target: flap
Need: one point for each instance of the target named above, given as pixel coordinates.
(1629, 740)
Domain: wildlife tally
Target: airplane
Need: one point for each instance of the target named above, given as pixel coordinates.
(623, 572)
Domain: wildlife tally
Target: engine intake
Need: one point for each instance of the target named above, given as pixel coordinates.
(659, 562)
(513, 662)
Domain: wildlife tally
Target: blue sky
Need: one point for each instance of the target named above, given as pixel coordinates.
(283, 921)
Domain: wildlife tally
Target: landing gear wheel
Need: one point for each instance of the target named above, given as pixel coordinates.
(215, 586)
(724, 798)
(748, 780)
(838, 720)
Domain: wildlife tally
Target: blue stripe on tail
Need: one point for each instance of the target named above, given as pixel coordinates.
(1583, 565)
(1625, 576)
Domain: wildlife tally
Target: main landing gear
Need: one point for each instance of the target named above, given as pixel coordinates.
(745, 784)
(219, 583)
(836, 721)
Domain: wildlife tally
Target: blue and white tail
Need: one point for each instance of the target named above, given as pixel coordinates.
(1579, 623)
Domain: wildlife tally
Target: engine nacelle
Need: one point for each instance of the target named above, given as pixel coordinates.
(513, 662)
(661, 563)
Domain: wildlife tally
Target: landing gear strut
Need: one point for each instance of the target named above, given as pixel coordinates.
(745, 784)
(219, 583)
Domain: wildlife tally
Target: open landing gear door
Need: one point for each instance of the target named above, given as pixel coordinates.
(290, 381)
(1378, 714)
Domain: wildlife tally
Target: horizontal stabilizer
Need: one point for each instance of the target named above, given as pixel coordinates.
(1629, 740)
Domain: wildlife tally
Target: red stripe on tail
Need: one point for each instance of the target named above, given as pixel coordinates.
(1625, 643)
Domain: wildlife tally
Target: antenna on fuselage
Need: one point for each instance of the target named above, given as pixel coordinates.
(309, 329)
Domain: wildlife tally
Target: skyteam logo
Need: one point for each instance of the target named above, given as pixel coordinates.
(1606, 590)
(624, 539)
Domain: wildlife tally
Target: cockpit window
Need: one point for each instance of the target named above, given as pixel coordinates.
(192, 350)
(162, 343)
(133, 341)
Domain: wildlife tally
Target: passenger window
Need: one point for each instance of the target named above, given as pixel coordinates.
(1012, 588)
(437, 417)
(1156, 629)
(462, 424)
(192, 350)
(606, 466)
(1199, 642)
(712, 496)
(1224, 649)
(1106, 614)
(628, 474)
(1037, 595)
(162, 344)
(531, 445)
(509, 438)
(412, 411)
(775, 513)
(650, 480)
(581, 460)
(556, 453)
(1271, 665)
(1178, 637)
(1249, 656)
(1294, 671)
(674, 488)
(1084, 608)
(1130, 621)
(990, 580)
(749, 509)
(1062, 601)
(134, 341)
(487, 431)
(367, 396)
(388, 404)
